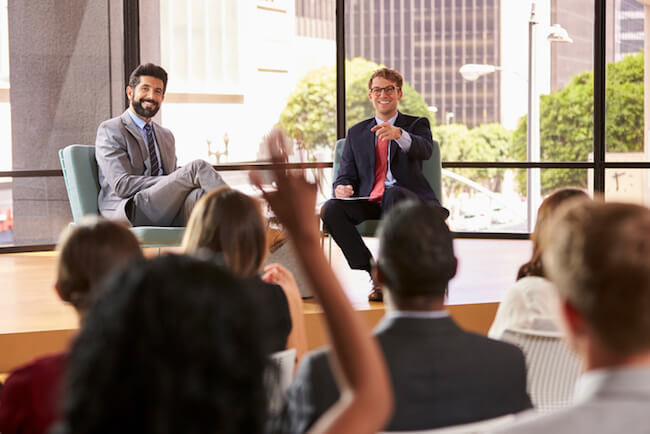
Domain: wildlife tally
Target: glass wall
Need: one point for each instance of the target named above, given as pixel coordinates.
(237, 68)
(466, 67)
(626, 137)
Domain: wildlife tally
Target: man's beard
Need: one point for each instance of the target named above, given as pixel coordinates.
(145, 112)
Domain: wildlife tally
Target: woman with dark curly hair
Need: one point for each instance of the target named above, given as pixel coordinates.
(162, 351)
(531, 303)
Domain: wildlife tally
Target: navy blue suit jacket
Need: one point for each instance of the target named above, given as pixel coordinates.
(357, 166)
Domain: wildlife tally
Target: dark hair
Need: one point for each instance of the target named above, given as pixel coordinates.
(535, 266)
(416, 252)
(151, 70)
(388, 74)
(231, 223)
(87, 253)
(598, 256)
(170, 345)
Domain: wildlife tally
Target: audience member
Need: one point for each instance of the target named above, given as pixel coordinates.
(381, 164)
(138, 176)
(441, 375)
(87, 253)
(532, 303)
(598, 256)
(231, 224)
(163, 351)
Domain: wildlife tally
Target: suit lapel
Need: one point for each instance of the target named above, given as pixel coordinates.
(393, 145)
(135, 133)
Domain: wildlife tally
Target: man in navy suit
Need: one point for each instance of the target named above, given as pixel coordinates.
(381, 165)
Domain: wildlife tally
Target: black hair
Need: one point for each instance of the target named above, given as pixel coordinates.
(416, 252)
(170, 345)
(151, 70)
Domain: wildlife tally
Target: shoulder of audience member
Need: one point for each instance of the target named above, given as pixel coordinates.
(491, 346)
(30, 372)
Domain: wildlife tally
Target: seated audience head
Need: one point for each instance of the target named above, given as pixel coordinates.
(535, 267)
(231, 223)
(598, 256)
(162, 351)
(416, 256)
(87, 253)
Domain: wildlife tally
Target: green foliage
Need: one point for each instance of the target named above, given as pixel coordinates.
(310, 113)
(566, 122)
(487, 142)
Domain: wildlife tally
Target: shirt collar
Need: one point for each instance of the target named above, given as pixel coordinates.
(420, 314)
(592, 382)
(390, 121)
(137, 120)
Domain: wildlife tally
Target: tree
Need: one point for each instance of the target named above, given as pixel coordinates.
(310, 113)
(487, 142)
(566, 122)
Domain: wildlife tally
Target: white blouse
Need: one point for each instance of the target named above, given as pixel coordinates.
(530, 304)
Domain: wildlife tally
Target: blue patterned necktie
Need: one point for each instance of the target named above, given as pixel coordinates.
(155, 165)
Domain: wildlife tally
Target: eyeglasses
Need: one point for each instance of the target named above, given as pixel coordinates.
(376, 91)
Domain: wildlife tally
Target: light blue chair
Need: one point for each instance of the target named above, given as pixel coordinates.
(82, 184)
(431, 168)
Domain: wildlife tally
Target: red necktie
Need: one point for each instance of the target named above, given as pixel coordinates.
(381, 166)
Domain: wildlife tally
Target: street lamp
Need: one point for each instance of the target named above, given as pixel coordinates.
(448, 117)
(472, 72)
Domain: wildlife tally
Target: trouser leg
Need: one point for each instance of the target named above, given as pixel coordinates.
(340, 218)
(170, 201)
(394, 195)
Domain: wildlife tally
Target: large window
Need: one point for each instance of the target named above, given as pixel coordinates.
(466, 65)
(237, 68)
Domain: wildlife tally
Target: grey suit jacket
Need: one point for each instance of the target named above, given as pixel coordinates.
(124, 167)
(613, 401)
(441, 376)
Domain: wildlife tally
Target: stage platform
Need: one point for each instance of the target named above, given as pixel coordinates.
(34, 322)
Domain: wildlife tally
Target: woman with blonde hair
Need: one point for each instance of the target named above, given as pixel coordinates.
(531, 303)
(231, 224)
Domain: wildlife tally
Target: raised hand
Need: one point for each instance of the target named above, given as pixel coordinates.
(294, 201)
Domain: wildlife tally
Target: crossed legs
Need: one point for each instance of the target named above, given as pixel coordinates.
(170, 201)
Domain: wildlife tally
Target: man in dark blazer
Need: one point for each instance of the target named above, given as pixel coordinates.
(441, 375)
(136, 158)
(381, 165)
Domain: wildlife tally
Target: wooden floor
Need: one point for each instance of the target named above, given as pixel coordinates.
(33, 321)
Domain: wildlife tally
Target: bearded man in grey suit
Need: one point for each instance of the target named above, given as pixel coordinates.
(136, 159)
(441, 374)
(598, 256)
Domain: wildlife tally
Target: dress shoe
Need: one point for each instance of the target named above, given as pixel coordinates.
(375, 293)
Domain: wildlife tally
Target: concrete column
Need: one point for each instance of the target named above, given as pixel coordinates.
(65, 59)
